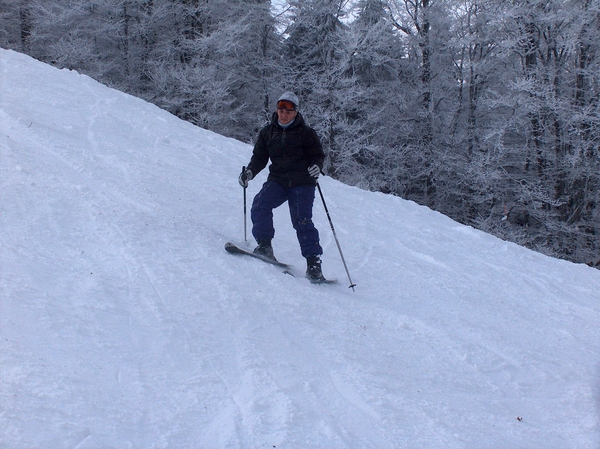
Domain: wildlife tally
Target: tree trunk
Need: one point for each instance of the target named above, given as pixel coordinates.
(25, 20)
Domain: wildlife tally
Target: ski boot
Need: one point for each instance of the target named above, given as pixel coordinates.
(264, 249)
(313, 269)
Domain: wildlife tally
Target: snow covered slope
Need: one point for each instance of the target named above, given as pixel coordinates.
(124, 323)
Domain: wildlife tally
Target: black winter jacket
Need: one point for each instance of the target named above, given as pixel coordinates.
(291, 150)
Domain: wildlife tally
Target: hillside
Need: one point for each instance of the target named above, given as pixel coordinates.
(124, 323)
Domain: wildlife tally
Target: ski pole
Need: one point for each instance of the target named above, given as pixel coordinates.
(245, 187)
(245, 228)
(352, 285)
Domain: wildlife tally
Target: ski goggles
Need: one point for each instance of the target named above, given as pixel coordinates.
(285, 105)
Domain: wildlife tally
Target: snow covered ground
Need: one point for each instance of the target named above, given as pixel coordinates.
(124, 323)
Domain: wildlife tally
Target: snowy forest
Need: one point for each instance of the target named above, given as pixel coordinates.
(484, 110)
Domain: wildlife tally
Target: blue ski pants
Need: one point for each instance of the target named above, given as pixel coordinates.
(300, 201)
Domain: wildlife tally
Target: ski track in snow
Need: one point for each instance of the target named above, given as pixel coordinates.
(124, 323)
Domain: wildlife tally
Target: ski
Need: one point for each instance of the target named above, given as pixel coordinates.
(234, 249)
(325, 281)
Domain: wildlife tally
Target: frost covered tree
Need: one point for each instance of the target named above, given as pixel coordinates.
(58, 33)
(315, 58)
(424, 26)
(253, 59)
(372, 129)
(468, 173)
(548, 191)
(15, 18)
(214, 63)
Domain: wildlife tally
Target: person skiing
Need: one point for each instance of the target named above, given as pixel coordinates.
(297, 159)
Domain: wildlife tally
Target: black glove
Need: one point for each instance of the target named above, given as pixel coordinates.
(245, 176)
(314, 171)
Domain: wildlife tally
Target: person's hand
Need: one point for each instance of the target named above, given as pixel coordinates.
(245, 176)
(314, 171)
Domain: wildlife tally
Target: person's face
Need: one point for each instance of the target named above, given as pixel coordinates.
(286, 112)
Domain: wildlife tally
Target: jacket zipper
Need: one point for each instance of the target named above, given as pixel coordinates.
(282, 148)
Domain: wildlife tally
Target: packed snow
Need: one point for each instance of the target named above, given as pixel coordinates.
(124, 323)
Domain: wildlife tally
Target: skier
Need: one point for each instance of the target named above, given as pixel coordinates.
(297, 159)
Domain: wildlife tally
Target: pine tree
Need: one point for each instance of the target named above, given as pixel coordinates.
(370, 129)
(315, 60)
